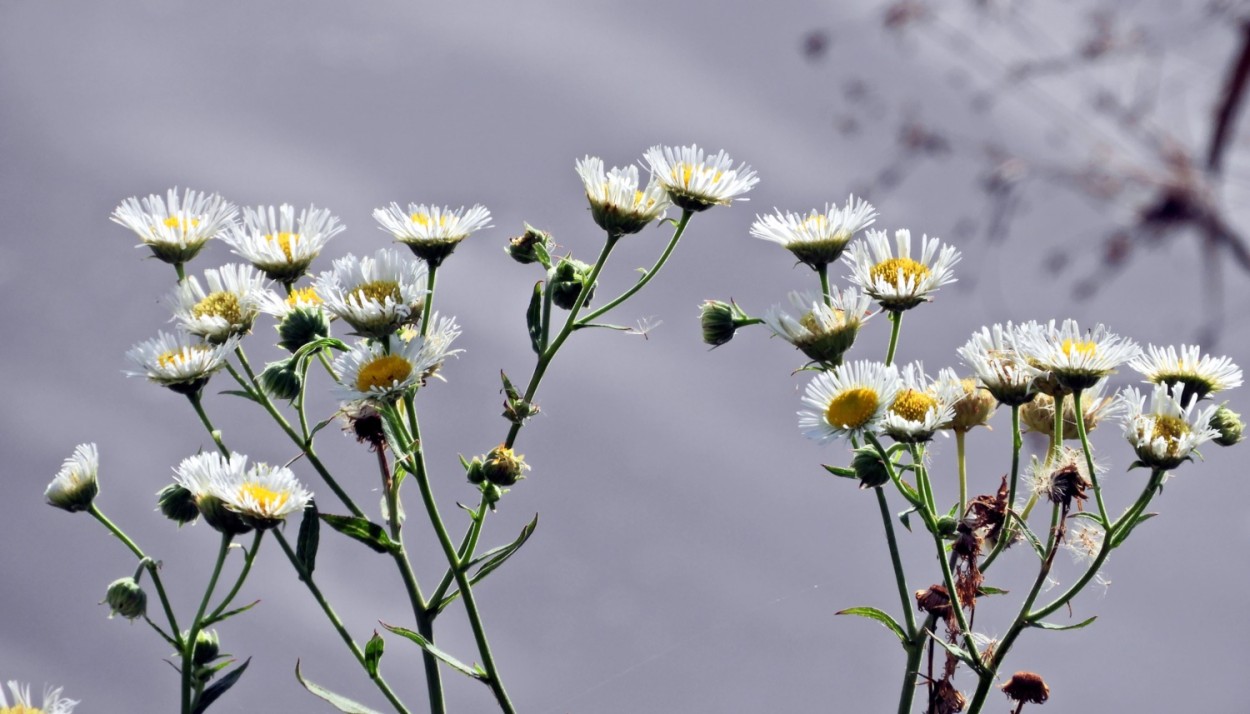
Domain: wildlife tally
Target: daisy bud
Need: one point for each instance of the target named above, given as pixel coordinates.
(973, 409)
(491, 494)
(503, 467)
(473, 470)
(207, 647)
(177, 504)
(126, 598)
(75, 486)
(300, 326)
(1027, 687)
(280, 380)
(567, 280)
(869, 468)
(1229, 425)
(531, 246)
(720, 320)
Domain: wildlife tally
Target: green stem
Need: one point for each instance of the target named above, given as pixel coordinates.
(896, 325)
(249, 557)
(962, 457)
(651, 273)
(1005, 536)
(194, 398)
(428, 308)
(1089, 457)
(337, 623)
(823, 272)
(153, 568)
(900, 578)
(467, 547)
(188, 646)
(181, 271)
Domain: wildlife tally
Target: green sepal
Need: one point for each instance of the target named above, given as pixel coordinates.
(363, 530)
(309, 539)
(229, 614)
(1122, 532)
(534, 318)
(474, 672)
(339, 702)
(1052, 626)
(884, 618)
(904, 517)
(373, 653)
(220, 687)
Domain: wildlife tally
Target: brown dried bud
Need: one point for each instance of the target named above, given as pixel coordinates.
(1027, 687)
(1066, 484)
(365, 423)
(947, 699)
(935, 601)
(989, 512)
(967, 542)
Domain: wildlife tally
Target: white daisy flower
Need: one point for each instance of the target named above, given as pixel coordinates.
(177, 227)
(1076, 359)
(1167, 435)
(278, 243)
(301, 318)
(23, 703)
(431, 232)
(377, 294)
(178, 361)
(200, 475)
(229, 306)
(823, 332)
(1198, 375)
(994, 358)
(616, 203)
(75, 486)
(695, 182)
(368, 371)
(899, 282)
(306, 298)
(921, 405)
(816, 239)
(849, 400)
(263, 495)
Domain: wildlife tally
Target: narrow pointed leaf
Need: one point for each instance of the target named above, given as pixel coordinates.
(842, 471)
(363, 530)
(240, 393)
(1053, 626)
(960, 653)
(309, 538)
(1123, 532)
(904, 517)
(873, 613)
(1031, 538)
(534, 318)
(987, 590)
(339, 702)
(220, 687)
(439, 654)
(229, 614)
(373, 653)
(496, 557)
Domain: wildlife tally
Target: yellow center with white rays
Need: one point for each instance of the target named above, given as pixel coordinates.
(1082, 348)
(285, 240)
(852, 408)
(377, 291)
(899, 271)
(913, 404)
(382, 373)
(223, 304)
(425, 220)
(267, 500)
(182, 224)
(303, 296)
(817, 326)
(1170, 429)
(20, 709)
(684, 172)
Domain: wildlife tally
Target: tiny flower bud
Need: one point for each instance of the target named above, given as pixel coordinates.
(177, 504)
(207, 647)
(503, 467)
(531, 246)
(1229, 424)
(567, 280)
(1027, 687)
(126, 598)
(76, 485)
(301, 326)
(973, 409)
(947, 526)
(720, 320)
(473, 470)
(280, 380)
(491, 493)
(869, 468)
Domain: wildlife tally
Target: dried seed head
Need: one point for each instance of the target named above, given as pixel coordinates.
(365, 423)
(1027, 687)
(935, 600)
(947, 699)
(1066, 484)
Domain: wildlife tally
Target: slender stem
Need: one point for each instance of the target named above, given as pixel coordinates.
(248, 558)
(1089, 457)
(181, 271)
(428, 309)
(900, 578)
(651, 273)
(823, 272)
(1005, 536)
(896, 324)
(467, 546)
(962, 457)
(337, 623)
(188, 646)
(194, 398)
(153, 568)
(325, 362)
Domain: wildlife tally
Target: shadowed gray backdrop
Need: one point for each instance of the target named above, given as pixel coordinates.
(691, 552)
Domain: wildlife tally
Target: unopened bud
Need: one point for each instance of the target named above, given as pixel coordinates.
(503, 467)
(567, 280)
(869, 468)
(207, 647)
(280, 380)
(177, 504)
(720, 320)
(531, 246)
(301, 326)
(126, 598)
(1229, 424)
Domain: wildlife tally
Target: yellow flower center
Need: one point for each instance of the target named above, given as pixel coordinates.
(266, 499)
(425, 221)
(303, 296)
(223, 304)
(912, 404)
(683, 173)
(815, 325)
(183, 224)
(285, 240)
(383, 372)
(1170, 429)
(899, 271)
(377, 291)
(1083, 348)
(20, 709)
(852, 408)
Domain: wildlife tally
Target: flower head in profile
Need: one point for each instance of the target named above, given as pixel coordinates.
(370, 371)
(179, 361)
(20, 701)
(617, 204)
(1039, 415)
(816, 239)
(892, 276)
(233, 497)
(431, 232)
(696, 182)
(1165, 435)
(227, 308)
(849, 400)
(922, 405)
(377, 294)
(200, 474)
(1061, 477)
(1076, 359)
(994, 358)
(279, 244)
(175, 228)
(823, 332)
(1197, 375)
(75, 486)
(974, 407)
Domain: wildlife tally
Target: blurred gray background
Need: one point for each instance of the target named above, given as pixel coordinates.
(690, 553)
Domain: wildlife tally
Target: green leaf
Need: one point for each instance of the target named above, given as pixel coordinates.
(873, 613)
(341, 703)
(240, 393)
(1053, 626)
(534, 318)
(988, 590)
(363, 530)
(1122, 532)
(904, 517)
(841, 471)
(1032, 539)
(229, 614)
(220, 687)
(441, 655)
(620, 328)
(373, 653)
(960, 653)
(509, 391)
(496, 557)
(309, 538)
(321, 425)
